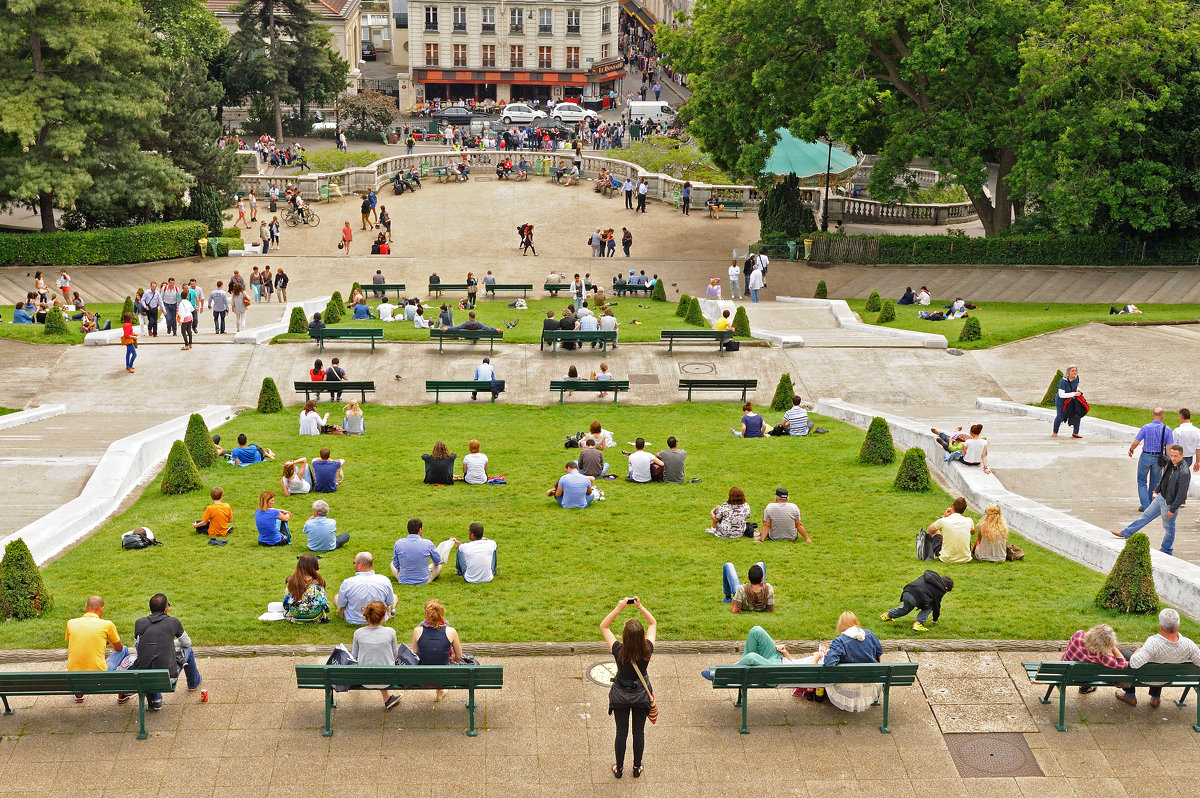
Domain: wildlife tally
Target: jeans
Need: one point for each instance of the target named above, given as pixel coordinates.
(626, 248)
(735, 288)
(729, 578)
(257, 289)
(152, 321)
(266, 245)
(687, 203)
(753, 294)
(169, 311)
(1058, 420)
(130, 355)
(219, 321)
(907, 605)
(1149, 472)
(1157, 508)
(190, 672)
(641, 206)
(460, 568)
(186, 328)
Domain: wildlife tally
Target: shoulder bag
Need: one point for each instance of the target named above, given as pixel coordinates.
(653, 716)
(1164, 459)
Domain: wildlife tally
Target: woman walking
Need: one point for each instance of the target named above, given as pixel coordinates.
(239, 301)
(1068, 387)
(268, 283)
(183, 315)
(130, 341)
(527, 241)
(630, 693)
(273, 227)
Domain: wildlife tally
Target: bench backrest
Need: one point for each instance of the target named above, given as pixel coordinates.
(347, 332)
(437, 332)
(889, 673)
(599, 335)
(583, 385)
(1053, 671)
(449, 287)
(469, 385)
(350, 385)
(459, 676)
(510, 287)
(711, 383)
(665, 334)
(85, 682)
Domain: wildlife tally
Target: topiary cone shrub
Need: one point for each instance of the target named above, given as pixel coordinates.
(659, 292)
(972, 330)
(694, 314)
(913, 474)
(877, 447)
(681, 309)
(873, 302)
(741, 323)
(199, 442)
(55, 323)
(298, 323)
(822, 291)
(1052, 392)
(335, 309)
(181, 474)
(784, 392)
(22, 592)
(1130, 585)
(269, 400)
(888, 313)
(128, 308)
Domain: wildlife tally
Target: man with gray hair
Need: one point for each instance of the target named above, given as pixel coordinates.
(322, 530)
(361, 589)
(1168, 646)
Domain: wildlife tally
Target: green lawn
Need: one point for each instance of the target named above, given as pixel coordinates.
(638, 319)
(1003, 322)
(561, 571)
(1133, 416)
(34, 333)
(4, 411)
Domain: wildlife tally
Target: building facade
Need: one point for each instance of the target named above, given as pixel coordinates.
(513, 50)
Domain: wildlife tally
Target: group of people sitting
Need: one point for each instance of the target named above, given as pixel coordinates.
(567, 175)
(607, 183)
(955, 539)
(576, 488)
(312, 423)
(504, 169)
(794, 422)
(582, 318)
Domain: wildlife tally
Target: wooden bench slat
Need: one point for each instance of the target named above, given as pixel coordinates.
(384, 287)
(690, 385)
(599, 386)
(438, 387)
(690, 336)
(491, 336)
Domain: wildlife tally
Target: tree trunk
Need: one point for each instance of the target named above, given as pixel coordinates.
(46, 209)
(996, 213)
(274, 35)
(45, 199)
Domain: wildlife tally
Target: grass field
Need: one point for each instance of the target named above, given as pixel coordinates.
(561, 570)
(638, 319)
(1003, 322)
(4, 411)
(33, 333)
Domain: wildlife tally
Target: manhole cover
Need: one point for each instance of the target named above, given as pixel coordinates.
(483, 180)
(991, 755)
(602, 673)
(642, 379)
(697, 368)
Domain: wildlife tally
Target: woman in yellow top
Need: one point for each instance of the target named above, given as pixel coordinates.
(724, 323)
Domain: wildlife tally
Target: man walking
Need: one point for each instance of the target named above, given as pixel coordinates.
(218, 303)
(155, 637)
(642, 188)
(1154, 438)
(628, 193)
(170, 304)
(1171, 493)
(1187, 436)
(152, 304)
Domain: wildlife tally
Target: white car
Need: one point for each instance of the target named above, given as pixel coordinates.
(573, 112)
(520, 113)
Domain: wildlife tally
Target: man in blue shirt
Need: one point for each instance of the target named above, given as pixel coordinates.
(322, 530)
(361, 589)
(573, 489)
(412, 554)
(327, 474)
(246, 454)
(1154, 438)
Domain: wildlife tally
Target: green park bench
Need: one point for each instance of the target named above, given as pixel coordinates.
(400, 677)
(562, 386)
(733, 206)
(362, 387)
(554, 288)
(441, 336)
(1061, 675)
(88, 683)
(553, 337)
(437, 288)
(744, 678)
(438, 387)
(690, 385)
(375, 288)
(621, 289)
(524, 288)
(692, 336)
(443, 175)
(371, 334)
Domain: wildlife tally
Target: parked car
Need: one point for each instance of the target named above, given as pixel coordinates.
(520, 114)
(421, 133)
(368, 51)
(554, 124)
(453, 115)
(572, 112)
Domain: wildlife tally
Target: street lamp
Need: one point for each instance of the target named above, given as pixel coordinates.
(825, 204)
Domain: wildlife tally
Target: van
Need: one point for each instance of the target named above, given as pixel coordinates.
(655, 111)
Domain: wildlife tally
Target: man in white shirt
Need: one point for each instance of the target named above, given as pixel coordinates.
(361, 589)
(763, 263)
(609, 322)
(387, 311)
(628, 187)
(640, 462)
(755, 284)
(1188, 437)
(735, 286)
(1168, 646)
(476, 559)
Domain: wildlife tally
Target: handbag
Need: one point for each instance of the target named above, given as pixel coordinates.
(341, 244)
(925, 551)
(245, 301)
(1013, 553)
(653, 716)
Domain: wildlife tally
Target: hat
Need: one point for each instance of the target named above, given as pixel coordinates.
(631, 271)
(781, 493)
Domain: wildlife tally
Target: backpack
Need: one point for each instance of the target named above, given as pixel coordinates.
(136, 540)
(925, 551)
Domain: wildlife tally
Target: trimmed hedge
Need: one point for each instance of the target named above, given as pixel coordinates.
(269, 400)
(226, 244)
(685, 302)
(199, 443)
(877, 447)
(298, 322)
(913, 474)
(181, 474)
(971, 330)
(822, 291)
(55, 323)
(784, 392)
(1130, 586)
(888, 313)
(22, 591)
(695, 316)
(741, 323)
(659, 292)
(146, 242)
(874, 303)
(1051, 397)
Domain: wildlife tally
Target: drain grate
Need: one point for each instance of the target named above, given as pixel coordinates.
(1001, 755)
(642, 379)
(697, 368)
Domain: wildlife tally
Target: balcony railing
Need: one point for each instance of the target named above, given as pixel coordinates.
(488, 27)
(431, 27)
(516, 28)
(545, 29)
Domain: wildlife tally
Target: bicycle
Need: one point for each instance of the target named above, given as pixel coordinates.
(292, 219)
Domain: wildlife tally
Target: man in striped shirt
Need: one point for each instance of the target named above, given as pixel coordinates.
(795, 420)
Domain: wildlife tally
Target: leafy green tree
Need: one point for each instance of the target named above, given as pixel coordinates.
(191, 130)
(22, 591)
(368, 110)
(206, 206)
(319, 73)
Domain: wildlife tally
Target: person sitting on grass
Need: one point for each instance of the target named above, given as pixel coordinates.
(924, 594)
(362, 312)
(387, 311)
(591, 460)
(352, 421)
(321, 530)
(641, 463)
(415, 560)
(363, 588)
(952, 533)
(271, 522)
(795, 420)
(312, 422)
(439, 466)
(992, 543)
(757, 596)
(729, 519)
(673, 459)
(752, 423)
(327, 474)
(295, 477)
(434, 641)
(217, 521)
(474, 464)
(21, 315)
(247, 453)
(781, 520)
(573, 491)
(909, 298)
(602, 437)
(1098, 645)
(475, 560)
(375, 644)
(305, 601)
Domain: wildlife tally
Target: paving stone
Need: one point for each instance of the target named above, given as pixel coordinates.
(984, 718)
(970, 691)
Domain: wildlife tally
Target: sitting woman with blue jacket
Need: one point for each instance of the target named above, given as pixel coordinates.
(852, 644)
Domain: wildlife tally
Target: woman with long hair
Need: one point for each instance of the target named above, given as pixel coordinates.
(631, 693)
(271, 522)
(434, 641)
(439, 466)
(305, 601)
(992, 543)
(311, 421)
(472, 290)
(352, 420)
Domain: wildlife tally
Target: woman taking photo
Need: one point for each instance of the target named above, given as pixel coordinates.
(630, 693)
(305, 601)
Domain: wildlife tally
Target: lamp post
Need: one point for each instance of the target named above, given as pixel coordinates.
(825, 203)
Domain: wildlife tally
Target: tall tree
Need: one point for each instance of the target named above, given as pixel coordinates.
(318, 74)
(75, 106)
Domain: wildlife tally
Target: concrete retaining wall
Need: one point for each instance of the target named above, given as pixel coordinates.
(35, 414)
(126, 464)
(848, 320)
(263, 334)
(1178, 582)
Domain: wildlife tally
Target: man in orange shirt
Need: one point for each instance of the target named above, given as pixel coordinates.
(217, 517)
(87, 637)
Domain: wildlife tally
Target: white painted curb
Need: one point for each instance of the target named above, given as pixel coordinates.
(847, 320)
(35, 414)
(103, 338)
(1177, 581)
(126, 464)
(263, 334)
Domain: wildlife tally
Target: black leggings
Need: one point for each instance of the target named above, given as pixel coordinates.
(186, 329)
(621, 716)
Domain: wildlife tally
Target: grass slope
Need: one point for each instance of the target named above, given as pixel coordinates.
(1133, 416)
(1004, 322)
(32, 333)
(560, 570)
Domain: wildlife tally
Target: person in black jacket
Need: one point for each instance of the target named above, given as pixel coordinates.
(154, 639)
(548, 324)
(1168, 498)
(925, 594)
